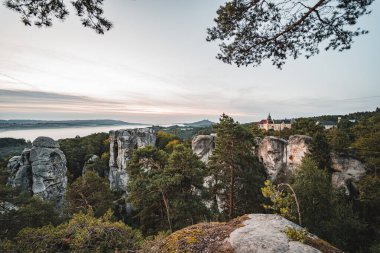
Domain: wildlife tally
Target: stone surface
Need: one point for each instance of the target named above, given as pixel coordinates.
(281, 157)
(122, 144)
(347, 172)
(45, 142)
(298, 147)
(253, 233)
(40, 170)
(264, 233)
(272, 153)
(203, 146)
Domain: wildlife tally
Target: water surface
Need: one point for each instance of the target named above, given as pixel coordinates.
(61, 133)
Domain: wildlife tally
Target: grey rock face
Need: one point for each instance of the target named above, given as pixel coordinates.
(264, 233)
(347, 172)
(45, 142)
(40, 170)
(122, 144)
(298, 147)
(20, 171)
(203, 146)
(272, 152)
(281, 157)
(6, 207)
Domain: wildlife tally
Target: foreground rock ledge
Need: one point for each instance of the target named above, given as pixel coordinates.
(258, 233)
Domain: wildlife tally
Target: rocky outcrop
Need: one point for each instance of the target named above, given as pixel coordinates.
(122, 144)
(41, 170)
(203, 146)
(259, 233)
(347, 172)
(89, 163)
(272, 153)
(298, 147)
(281, 157)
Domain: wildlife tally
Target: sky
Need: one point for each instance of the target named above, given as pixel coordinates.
(155, 66)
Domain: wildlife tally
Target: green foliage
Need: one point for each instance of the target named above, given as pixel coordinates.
(11, 147)
(306, 126)
(236, 175)
(250, 32)
(163, 139)
(325, 212)
(41, 13)
(320, 150)
(296, 234)
(369, 201)
(256, 131)
(83, 233)
(89, 191)
(32, 212)
(339, 139)
(185, 176)
(367, 142)
(146, 188)
(166, 191)
(98, 165)
(79, 150)
(281, 202)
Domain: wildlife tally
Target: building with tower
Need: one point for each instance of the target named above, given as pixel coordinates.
(278, 125)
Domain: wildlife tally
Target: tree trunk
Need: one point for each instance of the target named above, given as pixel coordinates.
(231, 193)
(166, 202)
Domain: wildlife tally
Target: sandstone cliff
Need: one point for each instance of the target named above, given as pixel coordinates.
(281, 157)
(347, 172)
(41, 170)
(122, 144)
(203, 146)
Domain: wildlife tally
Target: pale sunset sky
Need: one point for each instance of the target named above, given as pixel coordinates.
(155, 66)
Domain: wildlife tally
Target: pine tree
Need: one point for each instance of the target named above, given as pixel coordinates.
(236, 174)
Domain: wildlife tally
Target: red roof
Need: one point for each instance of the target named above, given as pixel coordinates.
(265, 121)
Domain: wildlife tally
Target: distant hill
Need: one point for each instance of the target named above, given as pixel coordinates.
(202, 123)
(32, 124)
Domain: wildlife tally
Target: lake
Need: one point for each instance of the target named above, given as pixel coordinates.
(61, 133)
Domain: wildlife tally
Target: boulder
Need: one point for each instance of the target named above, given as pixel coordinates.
(259, 233)
(45, 142)
(347, 172)
(40, 170)
(203, 146)
(122, 144)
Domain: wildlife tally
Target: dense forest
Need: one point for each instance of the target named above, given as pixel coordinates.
(169, 188)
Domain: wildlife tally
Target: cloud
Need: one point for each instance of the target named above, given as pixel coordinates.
(241, 104)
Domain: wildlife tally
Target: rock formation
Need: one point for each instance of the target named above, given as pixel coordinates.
(89, 163)
(40, 170)
(347, 172)
(259, 233)
(203, 146)
(272, 153)
(281, 157)
(122, 143)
